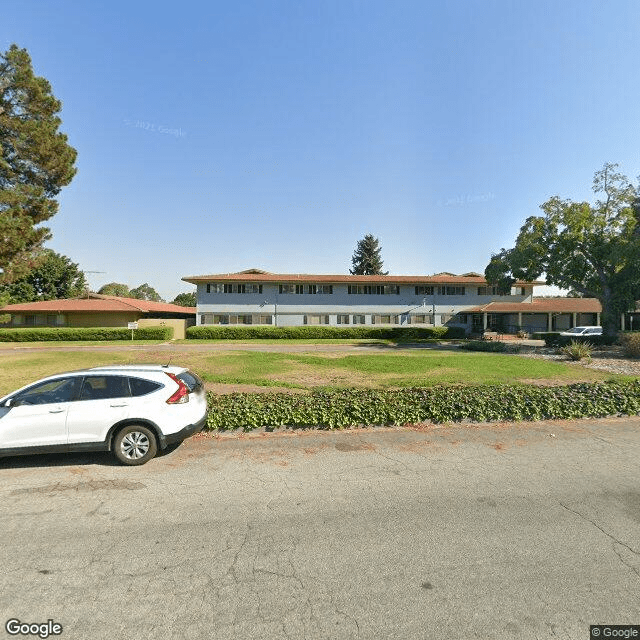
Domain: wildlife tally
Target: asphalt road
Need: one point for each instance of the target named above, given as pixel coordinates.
(525, 531)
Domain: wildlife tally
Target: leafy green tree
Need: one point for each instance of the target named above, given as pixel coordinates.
(4, 299)
(54, 277)
(115, 289)
(145, 292)
(35, 162)
(592, 249)
(185, 299)
(366, 259)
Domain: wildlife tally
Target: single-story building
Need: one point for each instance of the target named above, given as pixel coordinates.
(95, 310)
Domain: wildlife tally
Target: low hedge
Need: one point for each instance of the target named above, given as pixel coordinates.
(543, 335)
(242, 332)
(438, 404)
(493, 346)
(556, 340)
(57, 334)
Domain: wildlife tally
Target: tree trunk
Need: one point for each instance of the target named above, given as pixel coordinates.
(610, 316)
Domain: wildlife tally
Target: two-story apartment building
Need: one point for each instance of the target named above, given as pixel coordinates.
(259, 297)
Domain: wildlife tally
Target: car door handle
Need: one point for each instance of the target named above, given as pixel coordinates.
(119, 404)
(56, 410)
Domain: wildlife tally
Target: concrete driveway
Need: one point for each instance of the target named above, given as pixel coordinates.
(496, 531)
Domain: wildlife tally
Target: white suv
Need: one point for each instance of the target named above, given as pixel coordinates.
(582, 331)
(131, 410)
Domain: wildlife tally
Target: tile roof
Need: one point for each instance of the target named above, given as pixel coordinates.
(256, 275)
(96, 303)
(542, 305)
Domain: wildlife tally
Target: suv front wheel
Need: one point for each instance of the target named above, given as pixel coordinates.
(135, 444)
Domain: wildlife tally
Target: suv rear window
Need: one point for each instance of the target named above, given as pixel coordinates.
(191, 380)
(141, 387)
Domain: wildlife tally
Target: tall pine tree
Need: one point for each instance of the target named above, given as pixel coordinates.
(366, 259)
(35, 162)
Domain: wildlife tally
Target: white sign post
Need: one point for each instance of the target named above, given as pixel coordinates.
(132, 326)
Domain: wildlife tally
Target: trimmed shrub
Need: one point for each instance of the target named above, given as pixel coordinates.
(438, 404)
(243, 332)
(577, 350)
(544, 335)
(630, 342)
(53, 334)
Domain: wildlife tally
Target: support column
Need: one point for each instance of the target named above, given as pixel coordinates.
(622, 322)
(574, 320)
(484, 321)
(519, 319)
(549, 322)
(598, 318)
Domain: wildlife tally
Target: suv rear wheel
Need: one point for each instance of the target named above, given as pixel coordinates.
(135, 444)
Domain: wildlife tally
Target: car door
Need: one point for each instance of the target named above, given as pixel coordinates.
(103, 401)
(36, 416)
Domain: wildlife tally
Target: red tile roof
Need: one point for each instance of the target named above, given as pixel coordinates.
(542, 305)
(97, 304)
(256, 275)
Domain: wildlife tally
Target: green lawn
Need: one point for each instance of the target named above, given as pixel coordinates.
(400, 368)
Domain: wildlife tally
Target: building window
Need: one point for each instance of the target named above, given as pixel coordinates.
(287, 288)
(354, 289)
(342, 318)
(380, 319)
(253, 288)
(488, 291)
(238, 288)
(421, 319)
(451, 291)
(265, 320)
(299, 288)
(424, 290)
(234, 288)
(319, 288)
(518, 291)
(359, 319)
(315, 319)
(379, 289)
(215, 288)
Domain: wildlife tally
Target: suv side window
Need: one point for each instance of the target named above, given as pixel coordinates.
(49, 392)
(104, 387)
(140, 387)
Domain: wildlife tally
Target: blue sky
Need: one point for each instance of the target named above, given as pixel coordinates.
(219, 136)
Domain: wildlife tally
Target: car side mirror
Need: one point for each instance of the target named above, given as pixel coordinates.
(8, 402)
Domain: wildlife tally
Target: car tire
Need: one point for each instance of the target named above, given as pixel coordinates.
(135, 445)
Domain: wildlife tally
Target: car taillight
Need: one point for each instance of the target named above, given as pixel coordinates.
(182, 394)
